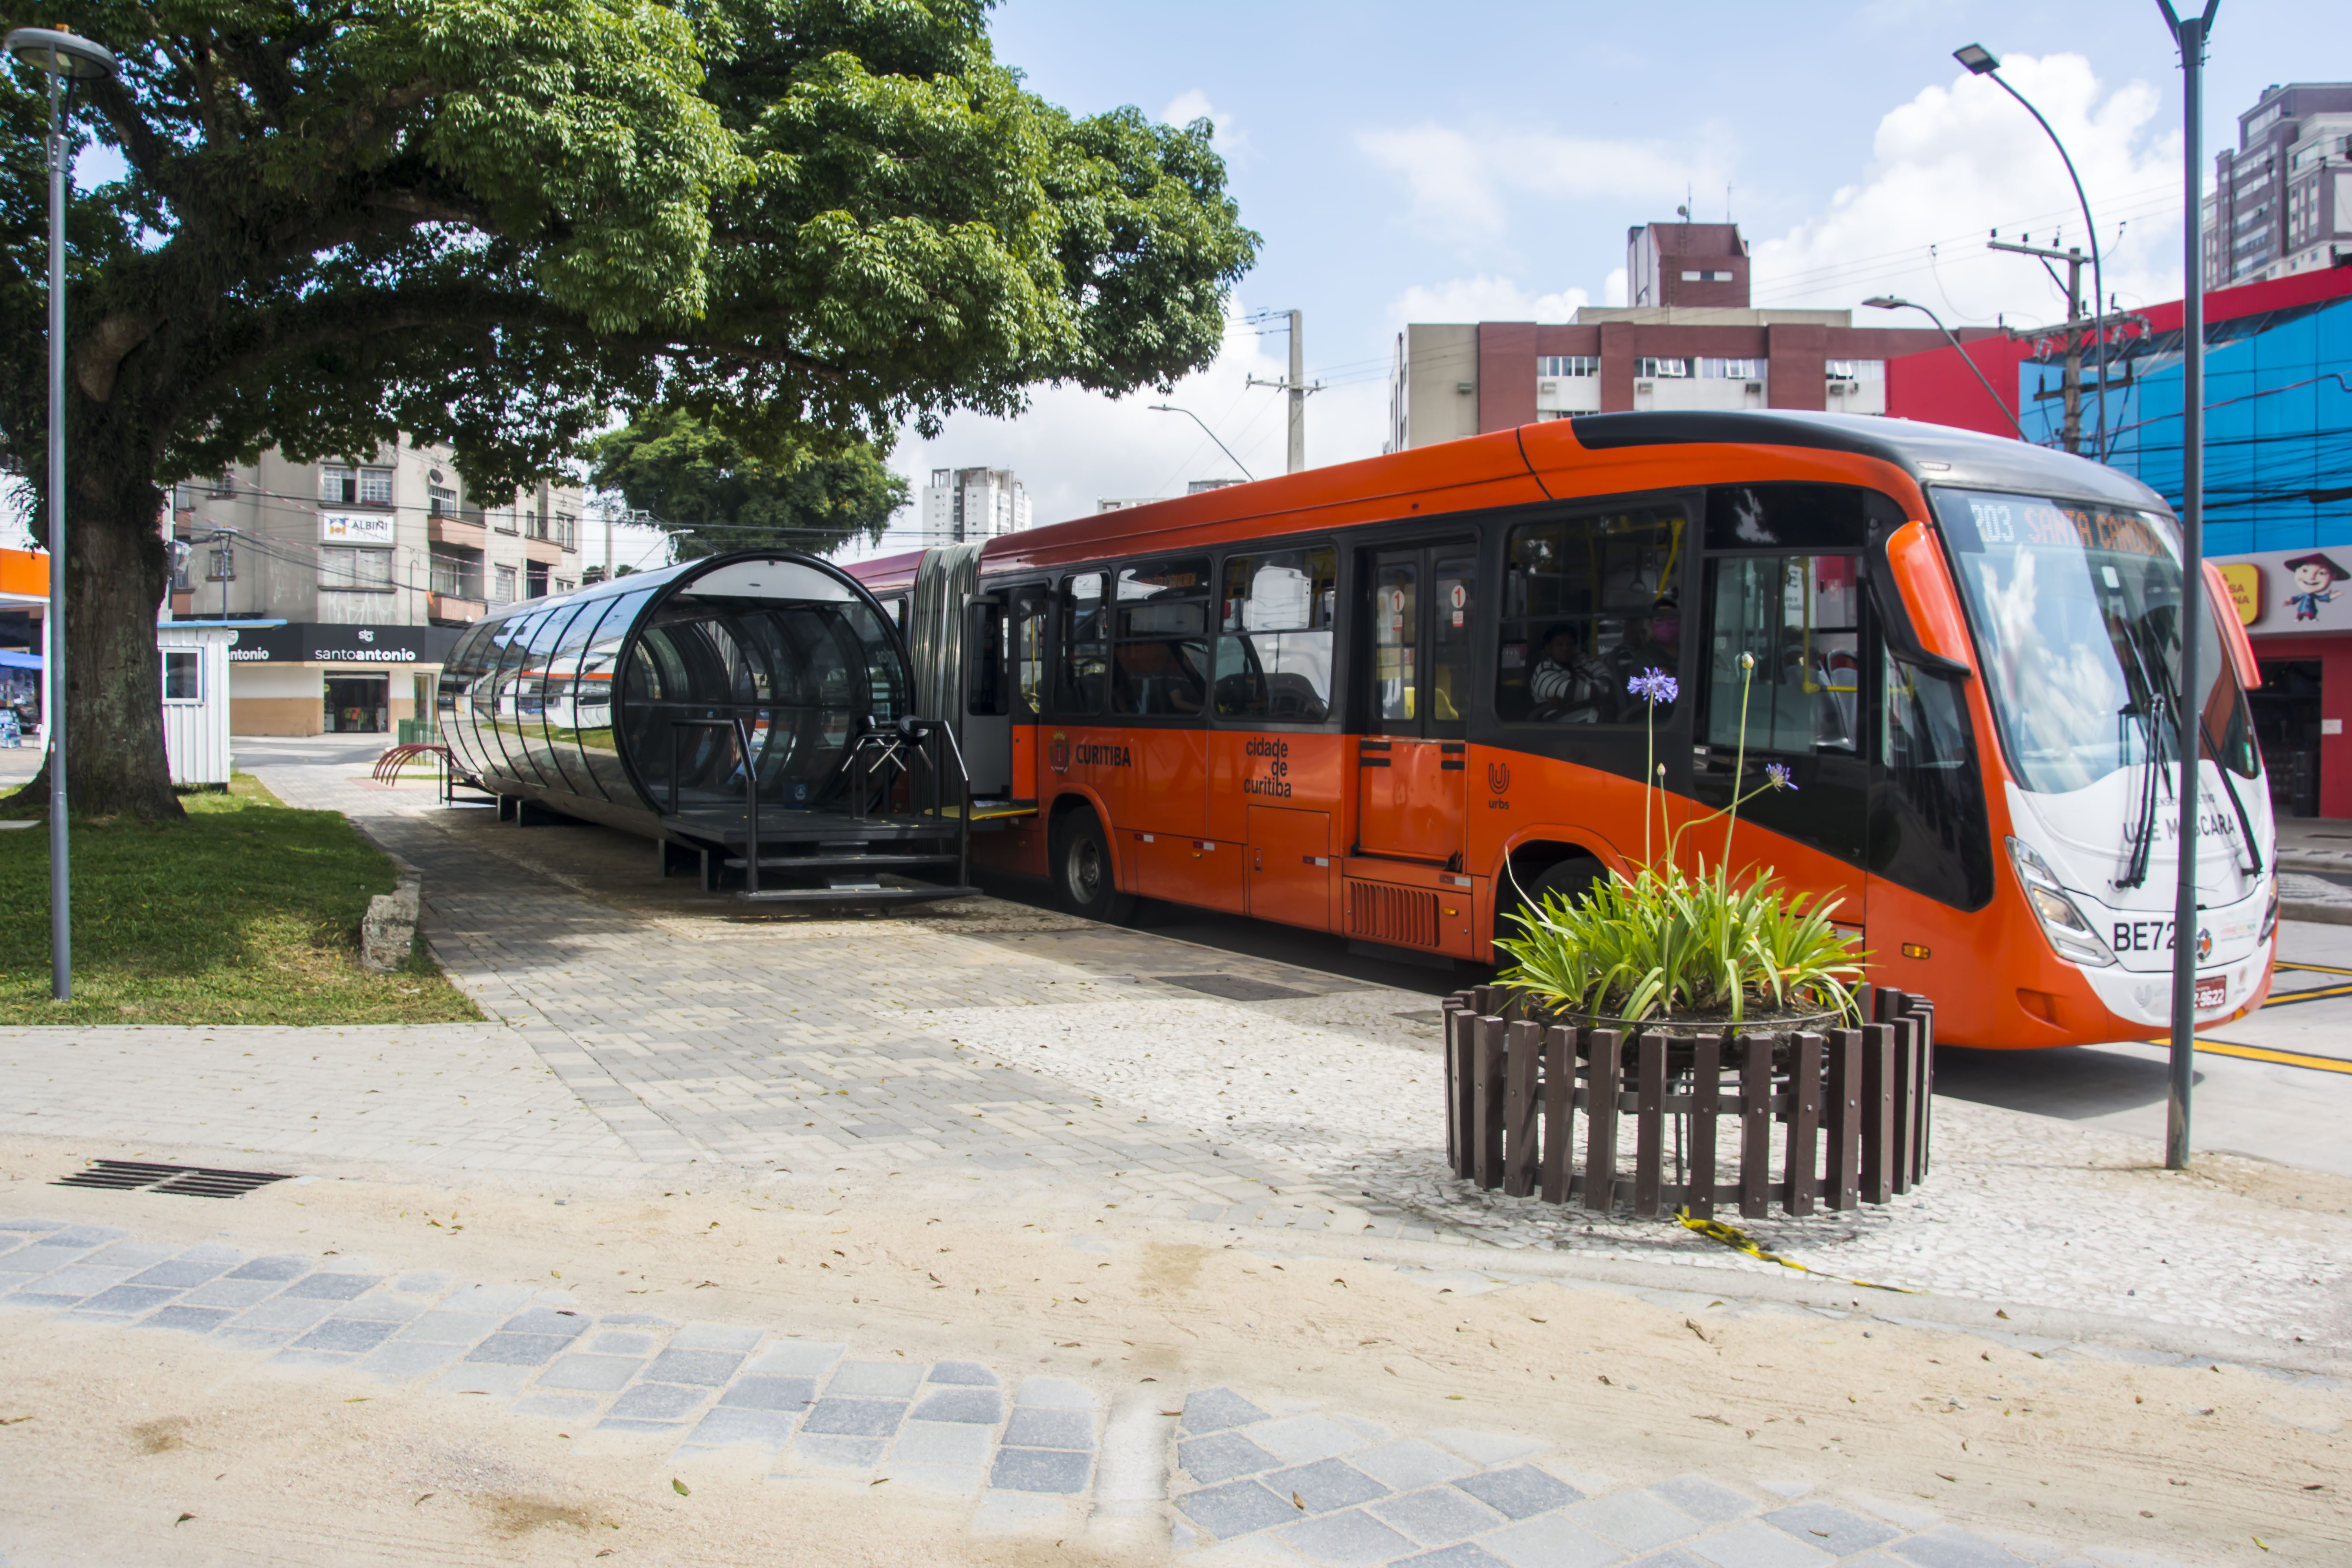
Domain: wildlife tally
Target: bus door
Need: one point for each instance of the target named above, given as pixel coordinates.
(1799, 615)
(1412, 762)
(1005, 671)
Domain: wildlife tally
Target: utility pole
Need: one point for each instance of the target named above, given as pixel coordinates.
(2071, 381)
(1296, 384)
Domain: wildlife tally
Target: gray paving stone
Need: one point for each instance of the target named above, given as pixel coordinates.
(1300, 1438)
(78, 1281)
(180, 1273)
(401, 1361)
(1952, 1548)
(1636, 1521)
(963, 1371)
(429, 1283)
(129, 1300)
(831, 1451)
(1034, 1428)
(1468, 1554)
(481, 1377)
(717, 1337)
(1352, 1539)
(1522, 1491)
(1222, 1457)
(796, 1358)
(950, 1480)
(383, 1307)
(280, 1268)
(1409, 1462)
(292, 1357)
(188, 1320)
(659, 1402)
(280, 1313)
(832, 1417)
(449, 1328)
(1752, 1544)
(727, 1427)
(499, 1299)
(32, 1226)
(1551, 1542)
(35, 1300)
(633, 1423)
(230, 1293)
(941, 1443)
(982, 1407)
(1437, 1515)
(708, 1369)
(636, 1320)
(623, 1343)
(1833, 1530)
(1041, 1470)
(1325, 1485)
(874, 1380)
(519, 1350)
(599, 1373)
(1705, 1501)
(134, 1254)
(1056, 1394)
(1677, 1558)
(343, 1334)
(562, 1407)
(546, 1322)
(791, 1393)
(238, 1337)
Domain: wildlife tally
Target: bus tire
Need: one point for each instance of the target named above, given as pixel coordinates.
(1573, 878)
(1084, 882)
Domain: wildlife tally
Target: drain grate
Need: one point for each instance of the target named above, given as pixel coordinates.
(189, 1181)
(1232, 988)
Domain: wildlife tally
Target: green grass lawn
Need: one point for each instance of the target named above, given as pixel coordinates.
(248, 912)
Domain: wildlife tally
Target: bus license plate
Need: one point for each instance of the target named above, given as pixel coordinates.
(2213, 993)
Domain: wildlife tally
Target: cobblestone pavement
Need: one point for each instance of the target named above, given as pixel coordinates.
(1251, 1476)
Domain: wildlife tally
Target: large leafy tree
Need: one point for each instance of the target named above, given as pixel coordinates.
(714, 492)
(488, 222)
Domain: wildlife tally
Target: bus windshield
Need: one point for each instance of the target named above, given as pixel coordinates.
(2077, 610)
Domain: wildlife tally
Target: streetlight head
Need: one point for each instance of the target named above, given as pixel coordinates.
(69, 55)
(1977, 59)
(1887, 303)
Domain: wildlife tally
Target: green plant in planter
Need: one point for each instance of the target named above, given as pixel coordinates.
(1673, 942)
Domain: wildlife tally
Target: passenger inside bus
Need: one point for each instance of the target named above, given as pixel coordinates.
(1569, 685)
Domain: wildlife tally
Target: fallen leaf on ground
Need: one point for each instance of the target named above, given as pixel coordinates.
(1940, 1476)
(1299, 1502)
(184, 1519)
(12, 1420)
(679, 1486)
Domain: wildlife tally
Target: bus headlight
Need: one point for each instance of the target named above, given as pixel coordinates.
(2269, 912)
(2061, 922)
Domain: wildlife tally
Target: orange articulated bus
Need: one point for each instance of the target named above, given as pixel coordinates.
(1390, 700)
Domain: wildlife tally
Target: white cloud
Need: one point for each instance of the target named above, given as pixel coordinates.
(1461, 182)
(1232, 141)
(1959, 160)
(1484, 299)
(1073, 446)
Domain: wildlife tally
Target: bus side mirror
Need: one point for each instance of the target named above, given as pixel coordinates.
(1917, 602)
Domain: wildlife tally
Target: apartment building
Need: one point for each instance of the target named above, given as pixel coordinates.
(353, 579)
(2282, 199)
(965, 504)
(1690, 340)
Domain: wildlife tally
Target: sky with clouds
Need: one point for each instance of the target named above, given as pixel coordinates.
(1484, 161)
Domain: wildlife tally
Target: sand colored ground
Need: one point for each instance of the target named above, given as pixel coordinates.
(114, 1434)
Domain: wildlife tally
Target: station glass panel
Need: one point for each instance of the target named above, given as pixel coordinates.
(556, 704)
(500, 727)
(454, 704)
(596, 684)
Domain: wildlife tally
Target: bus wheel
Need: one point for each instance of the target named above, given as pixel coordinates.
(1572, 879)
(1084, 882)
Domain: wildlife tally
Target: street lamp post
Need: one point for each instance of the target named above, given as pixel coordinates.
(1890, 302)
(1980, 60)
(1228, 451)
(2191, 34)
(66, 59)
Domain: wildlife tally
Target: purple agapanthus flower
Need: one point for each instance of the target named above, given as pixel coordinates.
(1778, 772)
(1655, 686)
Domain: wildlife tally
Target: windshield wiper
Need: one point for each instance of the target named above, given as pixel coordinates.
(2148, 708)
(2160, 670)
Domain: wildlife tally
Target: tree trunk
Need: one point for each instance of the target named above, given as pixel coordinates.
(116, 573)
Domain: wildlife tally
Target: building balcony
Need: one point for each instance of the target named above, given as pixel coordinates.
(449, 609)
(547, 552)
(442, 529)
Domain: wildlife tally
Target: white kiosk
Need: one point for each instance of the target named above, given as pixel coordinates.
(196, 700)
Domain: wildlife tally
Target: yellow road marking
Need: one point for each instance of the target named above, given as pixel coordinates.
(2313, 994)
(2263, 1054)
(2314, 968)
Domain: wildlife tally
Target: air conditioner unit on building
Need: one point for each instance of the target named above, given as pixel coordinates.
(1755, 386)
(1546, 386)
(1644, 386)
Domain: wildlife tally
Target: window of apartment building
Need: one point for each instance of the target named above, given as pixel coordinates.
(567, 530)
(534, 579)
(445, 500)
(353, 570)
(564, 585)
(1732, 369)
(502, 585)
(507, 518)
(1568, 365)
(181, 551)
(220, 564)
(222, 484)
(1662, 369)
(1706, 277)
(456, 576)
(1857, 370)
(342, 484)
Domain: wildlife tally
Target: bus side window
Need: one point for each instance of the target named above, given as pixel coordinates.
(1079, 677)
(1030, 608)
(1799, 617)
(1274, 624)
(1588, 603)
(1159, 666)
(1929, 831)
